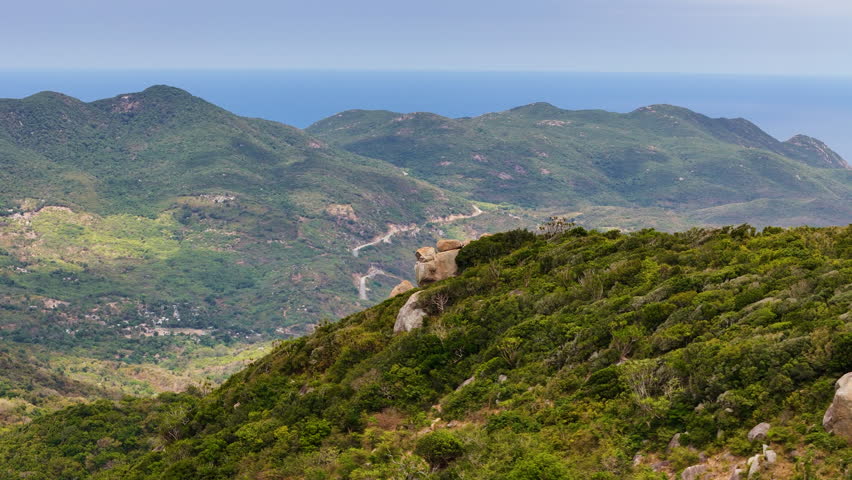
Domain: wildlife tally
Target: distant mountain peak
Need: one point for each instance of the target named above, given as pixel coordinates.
(536, 108)
(166, 89)
(815, 152)
(51, 96)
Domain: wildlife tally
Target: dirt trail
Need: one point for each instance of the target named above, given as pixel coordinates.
(372, 272)
(394, 229)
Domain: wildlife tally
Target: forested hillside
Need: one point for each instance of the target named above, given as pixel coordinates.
(648, 165)
(154, 229)
(571, 355)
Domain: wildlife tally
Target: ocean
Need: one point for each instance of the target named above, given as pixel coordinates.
(782, 106)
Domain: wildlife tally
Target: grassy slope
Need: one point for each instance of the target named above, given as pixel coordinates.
(661, 156)
(582, 351)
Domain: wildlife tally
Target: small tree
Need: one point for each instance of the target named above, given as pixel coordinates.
(439, 448)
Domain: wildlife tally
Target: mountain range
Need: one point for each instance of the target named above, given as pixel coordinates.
(153, 239)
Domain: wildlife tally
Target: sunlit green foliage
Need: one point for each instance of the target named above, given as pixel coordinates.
(581, 350)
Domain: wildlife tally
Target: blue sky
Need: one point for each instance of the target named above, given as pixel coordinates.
(792, 37)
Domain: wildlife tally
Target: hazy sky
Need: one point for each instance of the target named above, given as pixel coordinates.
(714, 36)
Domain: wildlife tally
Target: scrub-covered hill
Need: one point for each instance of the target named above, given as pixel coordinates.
(152, 225)
(571, 355)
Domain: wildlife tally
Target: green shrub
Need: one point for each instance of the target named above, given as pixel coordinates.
(439, 448)
(541, 466)
(489, 248)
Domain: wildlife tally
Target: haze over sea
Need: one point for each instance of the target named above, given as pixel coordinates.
(783, 106)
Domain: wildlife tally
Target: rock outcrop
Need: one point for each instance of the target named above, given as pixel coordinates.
(694, 472)
(445, 245)
(759, 432)
(403, 287)
(410, 316)
(432, 265)
(436, 265)
(425, 254)
(753, 465)
(838, 417)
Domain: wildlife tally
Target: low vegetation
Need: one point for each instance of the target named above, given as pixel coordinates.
(573, 354)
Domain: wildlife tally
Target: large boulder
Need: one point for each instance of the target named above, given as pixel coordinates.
(694, 472)
(753, 466)
(425, 254)
(403, 287)
(445, 245)
(410, 316)
(838, 417)
(759, 432)
(441, 266)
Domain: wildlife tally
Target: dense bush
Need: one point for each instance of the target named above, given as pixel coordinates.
(562, 358)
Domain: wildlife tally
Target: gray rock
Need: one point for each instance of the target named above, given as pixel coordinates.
(838, 417)
(759, 432)
(410, 316)
(674, 442)
(736, 474)
(753, 465)
(466, 383)
(770, 456)
(694, 472)
(502, 378)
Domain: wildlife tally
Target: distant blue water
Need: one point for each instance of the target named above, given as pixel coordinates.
(783, 106)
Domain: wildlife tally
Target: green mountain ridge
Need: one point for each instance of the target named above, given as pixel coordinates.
(572, 355)
(540, 156)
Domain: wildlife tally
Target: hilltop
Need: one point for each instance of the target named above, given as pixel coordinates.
(572, 355)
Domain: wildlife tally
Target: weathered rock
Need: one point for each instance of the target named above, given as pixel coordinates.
(403, 287)
(770, 456)
(674, 442)
(735, 474)
(425, 254)
(759, 432)
(410, 316)
(442, 266)
(466, 383)
(753, 465)
(445, 245)
(502, 378)
(693, 473)
(838, 417)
